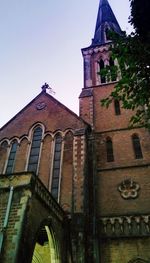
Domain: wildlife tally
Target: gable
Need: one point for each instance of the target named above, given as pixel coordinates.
(43, 109)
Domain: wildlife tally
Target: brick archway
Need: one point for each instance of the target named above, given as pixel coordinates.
(35, 219)
(47, 248)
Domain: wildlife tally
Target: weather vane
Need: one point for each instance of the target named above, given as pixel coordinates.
(46, 87)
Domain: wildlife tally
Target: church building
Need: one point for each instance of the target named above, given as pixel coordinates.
(76, 189)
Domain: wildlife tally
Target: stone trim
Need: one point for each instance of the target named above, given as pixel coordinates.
(45, 196)
(125, 226)
(78, 172)
(123, 167)
(95, 50)
(33, 183)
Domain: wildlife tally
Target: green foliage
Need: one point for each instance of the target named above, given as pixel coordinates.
(133, 88)
(140, 18)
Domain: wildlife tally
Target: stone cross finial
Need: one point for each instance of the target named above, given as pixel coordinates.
(45, 87)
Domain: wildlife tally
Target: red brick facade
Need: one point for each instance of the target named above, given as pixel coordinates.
(90, 187)
(54, 118)
(121, 184)
(99, 167)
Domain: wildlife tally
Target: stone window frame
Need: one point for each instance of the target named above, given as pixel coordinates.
(109, 150)
(117, 107)
(56, 166)
(35, 150)
(137, 146)
(11, 157)
(113, 78)
(103, 62)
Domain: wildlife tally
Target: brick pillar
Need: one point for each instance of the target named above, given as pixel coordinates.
(79, 153)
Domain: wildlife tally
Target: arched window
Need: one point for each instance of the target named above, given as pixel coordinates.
(112, 69)
(12, 157)
(111, 62)
(35, 150)
(137, 147)
(4, 145)
(107, 30)
(102, 66)
(56, 167)
(109, 150)
(117, 107)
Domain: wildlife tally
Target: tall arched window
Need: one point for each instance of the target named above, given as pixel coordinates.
(55, 183)
(107, 37)
(137, 147)
(3, 155)
(112, 70)
(35, 150)
(12, 157)
(102, 66)
(117, 107)
(109, 150)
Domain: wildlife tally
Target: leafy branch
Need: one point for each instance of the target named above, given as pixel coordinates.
(133, 87)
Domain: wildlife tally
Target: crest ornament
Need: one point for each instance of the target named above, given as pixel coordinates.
(41, 105)
(129, 189)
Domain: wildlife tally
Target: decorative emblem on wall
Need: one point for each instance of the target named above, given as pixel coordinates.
(41, 105)
(129, 189)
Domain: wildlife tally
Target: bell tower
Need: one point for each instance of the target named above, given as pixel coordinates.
(120, 158)
(95, 58)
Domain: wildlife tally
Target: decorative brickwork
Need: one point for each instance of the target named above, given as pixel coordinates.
(78, 179)
(125, 226)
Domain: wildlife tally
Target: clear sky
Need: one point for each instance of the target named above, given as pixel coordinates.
(41, 42)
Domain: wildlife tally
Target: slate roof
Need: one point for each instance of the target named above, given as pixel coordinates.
(105, 20)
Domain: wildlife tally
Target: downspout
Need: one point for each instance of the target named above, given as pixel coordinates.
(95, 241)
(3, 230)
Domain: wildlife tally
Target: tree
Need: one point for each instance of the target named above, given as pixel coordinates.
(133, 55)
(140, 18)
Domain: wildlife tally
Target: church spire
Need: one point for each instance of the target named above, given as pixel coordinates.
(106, 20)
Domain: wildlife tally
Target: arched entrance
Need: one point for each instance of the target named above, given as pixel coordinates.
(46, 248)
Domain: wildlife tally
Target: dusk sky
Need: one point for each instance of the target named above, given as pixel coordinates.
(41, 42)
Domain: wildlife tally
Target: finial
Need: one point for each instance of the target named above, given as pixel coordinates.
(47, 87)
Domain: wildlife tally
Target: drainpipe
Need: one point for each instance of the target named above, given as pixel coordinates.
(2, 231)
(95, 241)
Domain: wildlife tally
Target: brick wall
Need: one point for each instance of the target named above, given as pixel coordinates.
(12, 235)
(105, 119)
(124, 250)
(122, 148)
(109, 198)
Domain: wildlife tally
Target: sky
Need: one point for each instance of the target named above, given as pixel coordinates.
(41, 42)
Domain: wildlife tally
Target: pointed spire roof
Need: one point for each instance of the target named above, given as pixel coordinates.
(105, 20)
